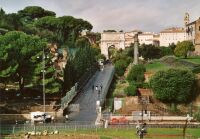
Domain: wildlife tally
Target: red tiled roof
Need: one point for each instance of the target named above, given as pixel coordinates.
(145, 92)
(173, 30)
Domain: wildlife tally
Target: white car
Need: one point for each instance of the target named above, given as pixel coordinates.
(40, 117)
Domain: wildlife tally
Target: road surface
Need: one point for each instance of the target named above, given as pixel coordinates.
(88, 97)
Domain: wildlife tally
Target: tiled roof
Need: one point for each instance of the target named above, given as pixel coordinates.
(145, 92)
(173, 30)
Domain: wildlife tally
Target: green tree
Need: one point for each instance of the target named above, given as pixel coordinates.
(16, 53)
(136, 74)
(131, 90)
(30, 13)
(69, 73)
(120, 67)
(66, 28)
(149, 51)
(51, 81)
(166, 51)
(172, 86)
(183, 48)
(77, 65)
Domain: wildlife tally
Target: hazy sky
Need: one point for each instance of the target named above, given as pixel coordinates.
(127, 15)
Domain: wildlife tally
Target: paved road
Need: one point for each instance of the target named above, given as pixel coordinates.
(88, 97)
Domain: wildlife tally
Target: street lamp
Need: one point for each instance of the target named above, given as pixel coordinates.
(43, 78)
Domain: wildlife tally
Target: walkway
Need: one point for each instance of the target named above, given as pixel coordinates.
(88, 97)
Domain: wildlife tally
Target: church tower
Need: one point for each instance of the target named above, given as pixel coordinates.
(186, 19)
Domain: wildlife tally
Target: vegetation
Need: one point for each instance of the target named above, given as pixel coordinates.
(156, 66)
(136, 74)
(149, 51)
(197, 115)
(172, 86)
(120, 67)
(183, 48)
(121, 59)
(18, 52)
(124, 133)
(153, 52)
(195, 60)
(19, 49)
(131, 90)
(166, 51)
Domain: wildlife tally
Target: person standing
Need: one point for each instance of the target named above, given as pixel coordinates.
(101, 87)
(96, 88)
(92, 87)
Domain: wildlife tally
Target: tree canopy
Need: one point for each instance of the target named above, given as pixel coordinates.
(25, 34)
(173, 85)
(17, 50)
(183, 48)
(136, 74)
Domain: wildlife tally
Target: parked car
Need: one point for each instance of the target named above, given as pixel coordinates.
(41, 117)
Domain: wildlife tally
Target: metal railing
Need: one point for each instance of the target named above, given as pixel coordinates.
(70, 95)
(75, 126)
(105, 90)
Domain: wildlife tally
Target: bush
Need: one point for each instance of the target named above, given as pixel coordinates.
(149, 51)
(196, 69)
(131, 90)
(120, 67)
(197, 116)
(136, 73)
(166, 51)
(173, 85)
(183, 48)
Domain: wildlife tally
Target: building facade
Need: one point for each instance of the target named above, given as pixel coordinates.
(148, 38)
(118, 40)
(172, 36)
(193, 34)
(121, 40)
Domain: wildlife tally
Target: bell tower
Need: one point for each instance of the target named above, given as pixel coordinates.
(186, 19)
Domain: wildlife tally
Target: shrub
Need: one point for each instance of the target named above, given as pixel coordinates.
(136, 73)
(196, 69)
(197, 116)
(120, 67)
(173, 85)
(131, 90)
(166, 51)
(183, 48)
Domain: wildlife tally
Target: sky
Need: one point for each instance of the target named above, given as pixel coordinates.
(127, 15)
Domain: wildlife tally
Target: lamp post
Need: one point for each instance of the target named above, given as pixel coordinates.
(43, 78)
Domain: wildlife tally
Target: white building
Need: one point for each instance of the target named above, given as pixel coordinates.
(172, 35)
(118, 40)
(121, 40)
(148, 38)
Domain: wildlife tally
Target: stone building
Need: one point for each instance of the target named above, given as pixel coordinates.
(118, 40)
(121, 40)
(172, 36)
(148, 38)
(193, 34)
